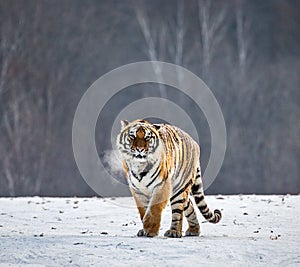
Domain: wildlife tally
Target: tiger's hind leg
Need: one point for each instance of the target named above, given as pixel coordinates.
(191, 216)
(177, 206)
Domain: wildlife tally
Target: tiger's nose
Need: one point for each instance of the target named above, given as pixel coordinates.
(140, 149)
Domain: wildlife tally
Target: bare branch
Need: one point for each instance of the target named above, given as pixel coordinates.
(145, 27)
(243, 24)
(9, 178)
(212, 29)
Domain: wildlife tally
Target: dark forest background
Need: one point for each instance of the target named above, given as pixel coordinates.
(247, 52)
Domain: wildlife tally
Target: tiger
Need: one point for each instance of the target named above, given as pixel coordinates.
(161, 165)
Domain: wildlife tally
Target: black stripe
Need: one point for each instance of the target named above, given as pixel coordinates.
(198, 176)
(155, 174)
(208, 216)
(134, 186)
(191, 167)
(156, 142)
(202, 208)
(147, 169)
(218, 212)
(195, 188)
(143, 174)
(157, 170)
(122, 139)
(135, 176)
(159, 183)
(151, 182)
(182, 190)
(183, 152)
(175, 138)
(215, 219)
(193, 223)
(190, 214)
(187, 206)
(177, 211)
(178, 201)
(177, 185)
(199, 199)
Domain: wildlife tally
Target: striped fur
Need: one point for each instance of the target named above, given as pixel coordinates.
(161, 163)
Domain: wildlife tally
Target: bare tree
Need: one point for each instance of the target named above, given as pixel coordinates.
(9, 47)
(243, 35)
(213, 28)
(154, 42)
(27, 114)
(180, 31)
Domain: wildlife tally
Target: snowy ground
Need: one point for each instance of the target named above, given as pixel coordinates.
(254, 231)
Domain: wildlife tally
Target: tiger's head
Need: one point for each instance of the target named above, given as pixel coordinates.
(138, 139)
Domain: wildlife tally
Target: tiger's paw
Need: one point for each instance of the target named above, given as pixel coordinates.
(192, 231)
(142, 232)
(173, 233)
(151, 225)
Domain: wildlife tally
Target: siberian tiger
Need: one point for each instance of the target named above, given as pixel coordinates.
(161, 163)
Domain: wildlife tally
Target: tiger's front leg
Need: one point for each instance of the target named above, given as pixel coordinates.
(152, 217)
(141, 203)
(151, 221)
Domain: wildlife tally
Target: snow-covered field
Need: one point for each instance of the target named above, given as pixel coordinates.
(254, 231)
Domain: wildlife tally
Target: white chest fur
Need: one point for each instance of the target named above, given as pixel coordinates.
(142, 175)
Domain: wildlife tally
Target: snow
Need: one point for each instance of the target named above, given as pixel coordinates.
(254, 231)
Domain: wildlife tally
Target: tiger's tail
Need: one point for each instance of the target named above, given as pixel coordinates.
(198, 193)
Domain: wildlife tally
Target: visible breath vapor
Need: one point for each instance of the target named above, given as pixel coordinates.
(112, 162)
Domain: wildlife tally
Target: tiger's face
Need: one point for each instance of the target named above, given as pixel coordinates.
(138, 139)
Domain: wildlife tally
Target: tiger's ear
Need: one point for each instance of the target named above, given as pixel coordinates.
(157, 126)
(124, 123)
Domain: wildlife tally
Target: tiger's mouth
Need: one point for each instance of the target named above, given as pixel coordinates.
(139, 154)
